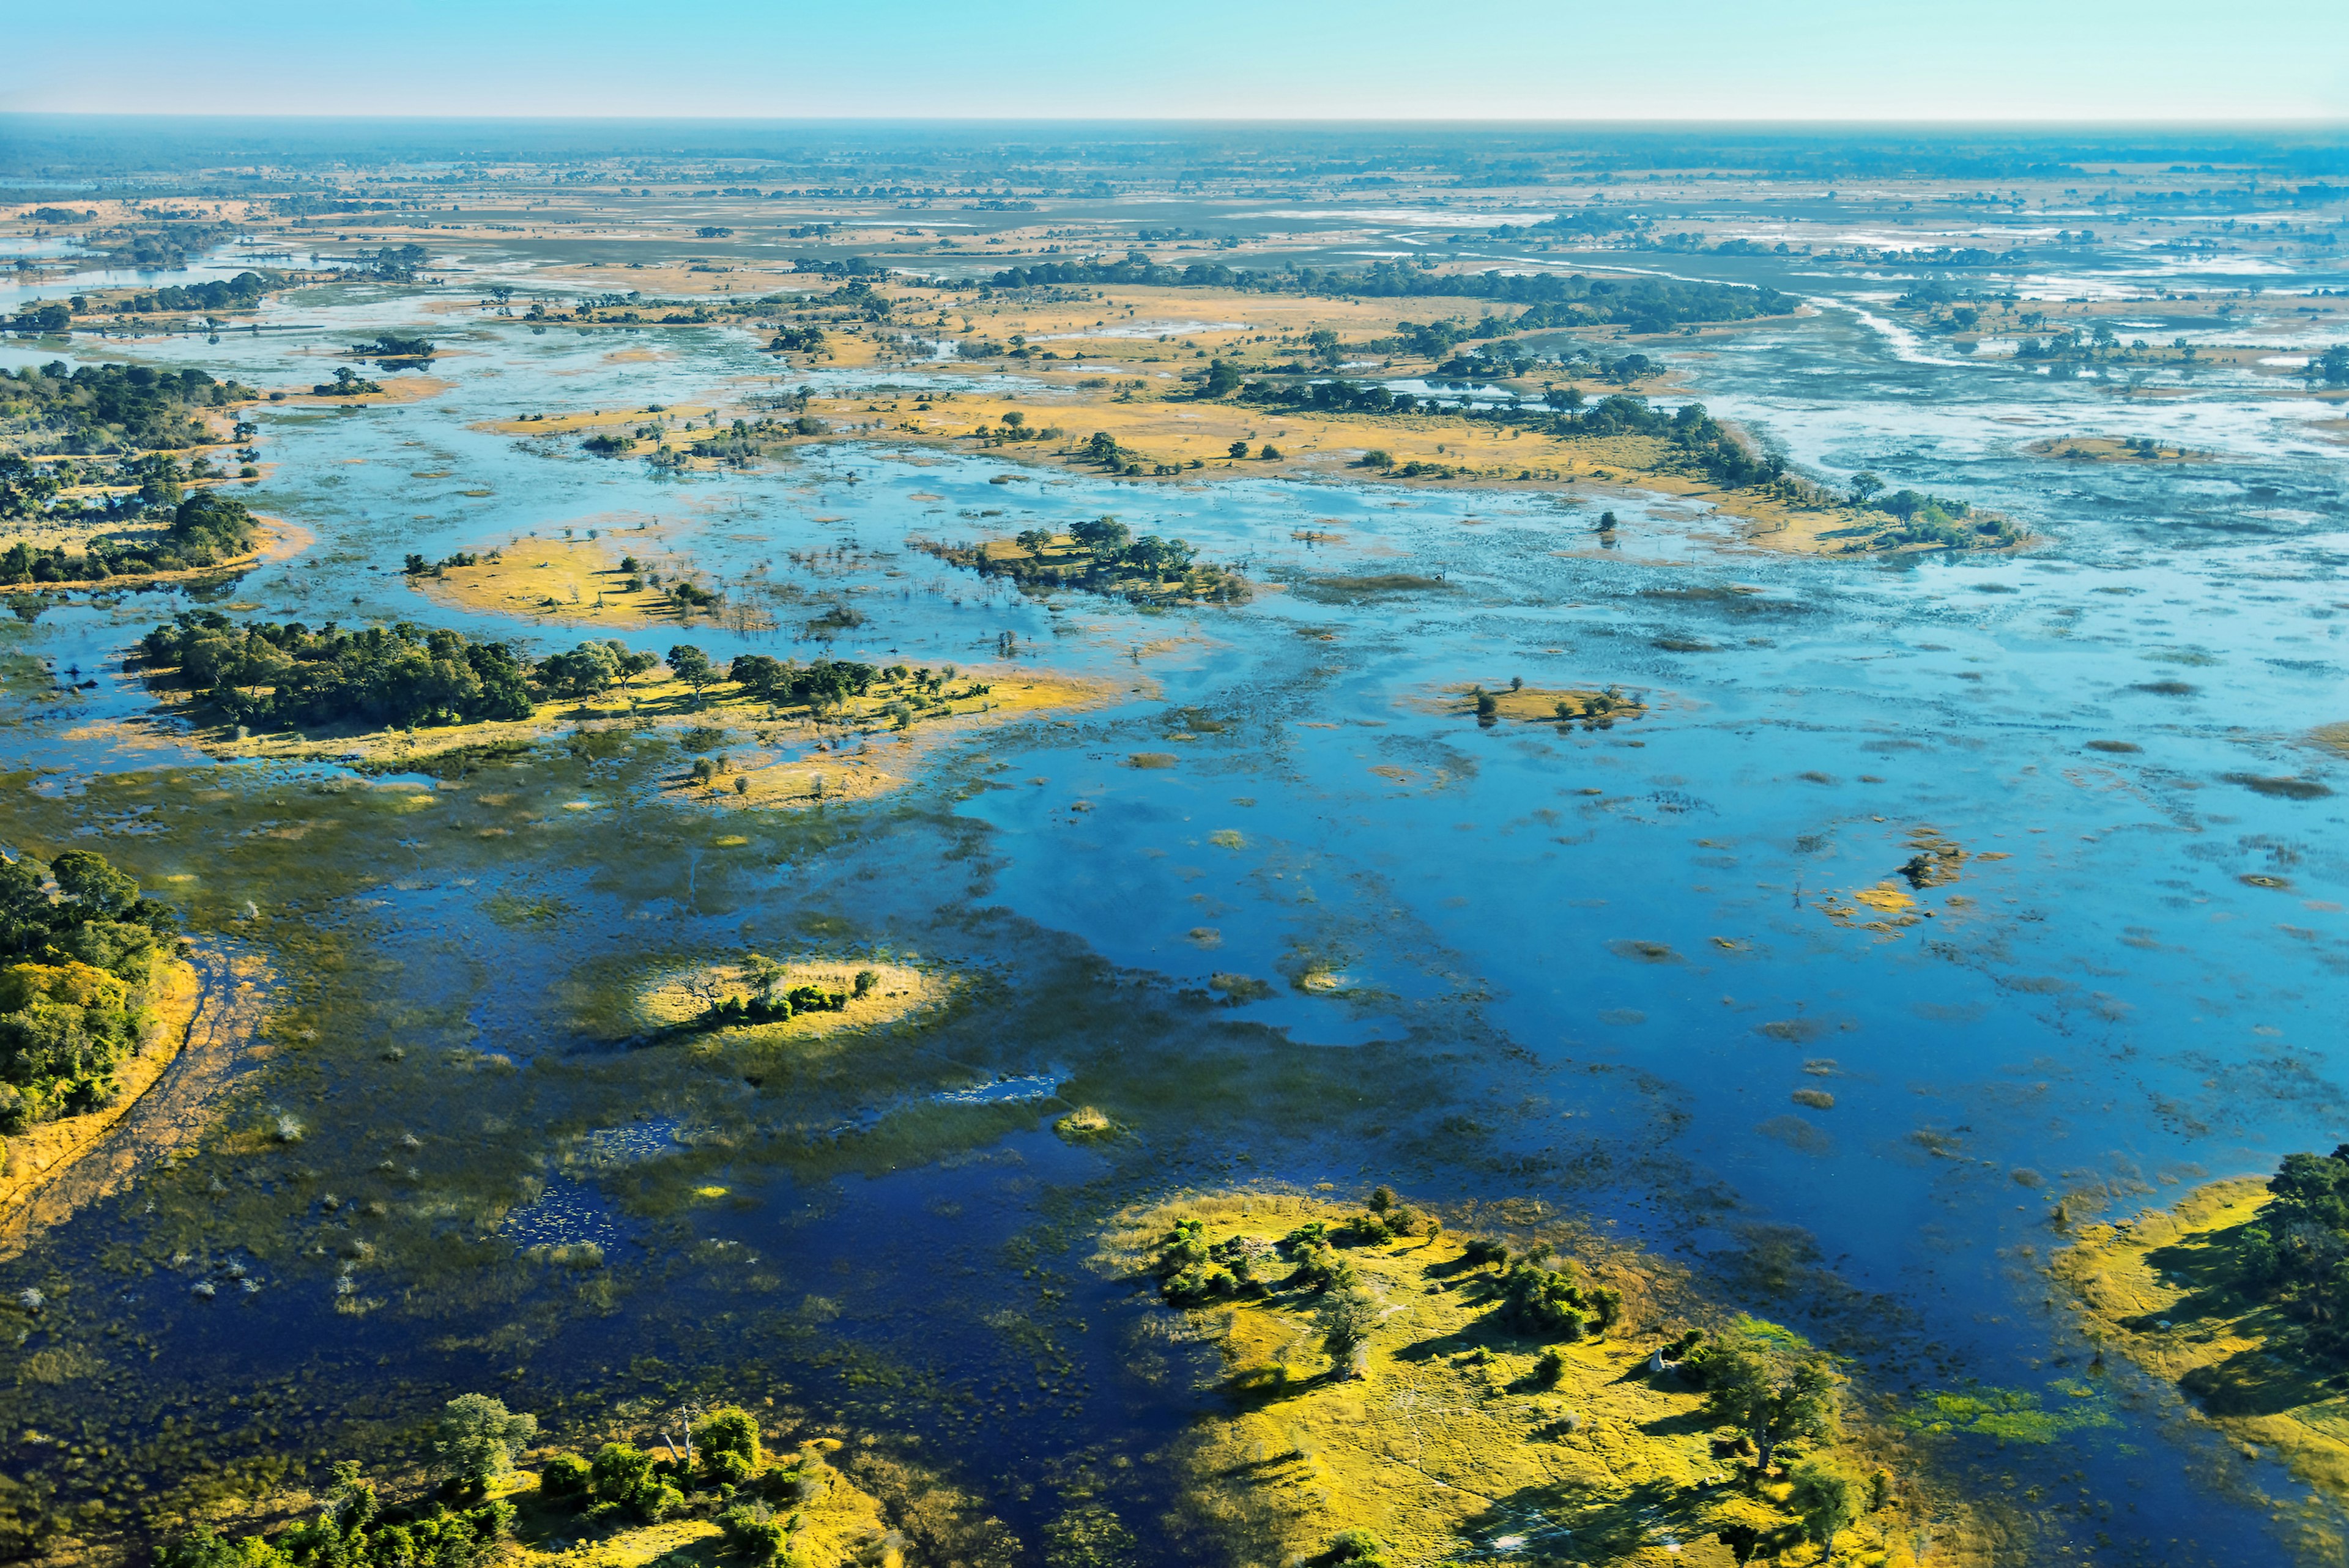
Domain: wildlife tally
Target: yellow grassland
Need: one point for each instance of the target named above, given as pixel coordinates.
(2160, 1290)
(832, 1523)
(898, 991)
(397, 389)
(1540, 704)
(570, 580)
(793, 761)
(1448, 1450)
(2111, 449)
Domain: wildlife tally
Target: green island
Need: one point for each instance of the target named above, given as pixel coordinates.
(1102, 556)
(2238, 1296)
(1392, 1391)
(708, 1488)
(83, 949)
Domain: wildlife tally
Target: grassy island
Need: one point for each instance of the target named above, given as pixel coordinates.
(403, 695)
(2238, 1295)
(760, 1000)
(1391, 1392)
(699, 1492)
(1563, 705)
(1103, 556)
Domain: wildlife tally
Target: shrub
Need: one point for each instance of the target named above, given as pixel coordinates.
(1549, 1370)
(1826, 1499)
(1483, 1250)
(563, 1480)
(728, 1429)
(752, 1531)
(1354, 1549)
(1548, 1303)
(623, 1478)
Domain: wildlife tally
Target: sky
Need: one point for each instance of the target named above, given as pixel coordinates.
(1808, 60)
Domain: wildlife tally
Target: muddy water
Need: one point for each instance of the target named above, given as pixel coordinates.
(1589, 966)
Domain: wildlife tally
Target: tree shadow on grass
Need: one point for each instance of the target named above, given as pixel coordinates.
(1573, 1524)
(2255, 1383)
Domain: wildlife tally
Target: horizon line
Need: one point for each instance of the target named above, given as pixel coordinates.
(2262, 123)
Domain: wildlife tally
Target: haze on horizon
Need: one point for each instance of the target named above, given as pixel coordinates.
(1804, 61)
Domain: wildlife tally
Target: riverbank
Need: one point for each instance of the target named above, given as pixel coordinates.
(2161, 1289)
(1458, 1436)
(33, 1161)
(737, 750)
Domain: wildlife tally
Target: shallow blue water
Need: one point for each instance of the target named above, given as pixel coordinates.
(2113, 1008)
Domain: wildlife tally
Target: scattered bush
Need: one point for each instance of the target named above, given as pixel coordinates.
(563, 1480)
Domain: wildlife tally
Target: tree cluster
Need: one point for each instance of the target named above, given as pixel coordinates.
(109, 408)
(276, 676)
(1642, 304)
(2296, 1254)
(78, 945)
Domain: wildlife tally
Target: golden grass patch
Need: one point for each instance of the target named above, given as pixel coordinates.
(896, 991)
(570, 581)
(2159, 1290)
(1448, 1445)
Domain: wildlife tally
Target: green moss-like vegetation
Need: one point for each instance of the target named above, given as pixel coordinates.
(80, 950)
(2008, 1415)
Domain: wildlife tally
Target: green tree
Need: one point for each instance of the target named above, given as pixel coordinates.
(584, 671)
(1102, 536)
(1864, 485)
(84, 876)
(692, 666)
(1772, 1397)
(477, 1439)
(1346, 1316)
(1824, 1497)
(629, 664)
(1240, 450)
(1223, 379)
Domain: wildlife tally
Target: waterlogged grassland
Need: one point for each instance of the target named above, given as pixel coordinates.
(1181, 439)
(452, 1133)
(758, 755)
(1452, 1444)
(2159, 1289)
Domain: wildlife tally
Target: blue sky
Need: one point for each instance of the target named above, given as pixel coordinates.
(2151, 61)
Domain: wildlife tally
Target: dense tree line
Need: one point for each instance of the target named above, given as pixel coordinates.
(2296, 1252)
(78, 946)
(242, 292)
(109, 408)
(276, 676)
(1554, 299)
(206, 529)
